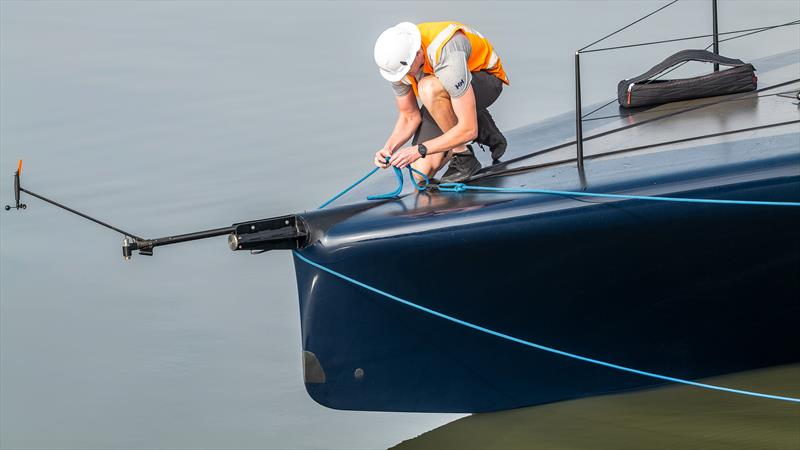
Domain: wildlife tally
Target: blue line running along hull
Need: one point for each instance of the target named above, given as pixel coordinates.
(684, 290)
(679, 289)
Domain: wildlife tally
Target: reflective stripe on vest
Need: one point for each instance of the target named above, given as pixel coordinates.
(434, 37)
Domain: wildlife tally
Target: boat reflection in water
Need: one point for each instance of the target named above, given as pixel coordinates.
(669, 418)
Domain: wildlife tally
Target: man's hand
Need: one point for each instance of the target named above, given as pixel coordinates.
(380, 157)
(405, 157)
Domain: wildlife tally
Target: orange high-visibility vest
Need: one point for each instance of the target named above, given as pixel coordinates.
(436, 34)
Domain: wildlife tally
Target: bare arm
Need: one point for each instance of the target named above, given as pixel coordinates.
(408, 121)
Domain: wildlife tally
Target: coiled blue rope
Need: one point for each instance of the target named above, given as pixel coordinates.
(459, 187)
(399, 175)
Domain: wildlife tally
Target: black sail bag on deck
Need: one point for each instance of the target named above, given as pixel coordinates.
(644, 90)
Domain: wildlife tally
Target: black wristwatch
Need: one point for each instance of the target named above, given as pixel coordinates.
(422, 150)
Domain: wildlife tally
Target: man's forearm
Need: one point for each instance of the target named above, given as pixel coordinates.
(403, 130)
(454, 137)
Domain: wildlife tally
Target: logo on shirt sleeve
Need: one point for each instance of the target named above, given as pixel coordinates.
(459, 84)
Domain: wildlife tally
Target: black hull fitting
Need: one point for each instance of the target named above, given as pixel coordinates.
(679, 289)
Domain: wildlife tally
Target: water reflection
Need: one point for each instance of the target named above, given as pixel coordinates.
(670, 418)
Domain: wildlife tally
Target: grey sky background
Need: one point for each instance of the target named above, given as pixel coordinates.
(169, 117)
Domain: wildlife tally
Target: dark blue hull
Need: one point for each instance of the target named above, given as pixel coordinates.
(679, 289)
(683, 290)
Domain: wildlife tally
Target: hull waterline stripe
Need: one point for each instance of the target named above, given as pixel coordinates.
(539, 346)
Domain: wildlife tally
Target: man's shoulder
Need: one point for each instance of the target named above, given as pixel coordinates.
(459, 40)
(458, 46)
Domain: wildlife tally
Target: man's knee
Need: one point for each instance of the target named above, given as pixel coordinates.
(431, 164)
(430, 88)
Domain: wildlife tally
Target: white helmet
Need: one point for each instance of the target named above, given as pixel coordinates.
(396, 49)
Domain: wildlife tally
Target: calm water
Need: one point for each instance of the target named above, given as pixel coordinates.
(165, 118)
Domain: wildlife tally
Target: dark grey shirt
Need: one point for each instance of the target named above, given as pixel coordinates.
(451, 69)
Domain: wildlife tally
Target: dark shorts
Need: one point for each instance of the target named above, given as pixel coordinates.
(487, 88)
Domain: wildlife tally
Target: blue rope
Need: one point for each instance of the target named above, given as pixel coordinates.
(539, 346)
(346, 190)
(397, 173)
(461, 187)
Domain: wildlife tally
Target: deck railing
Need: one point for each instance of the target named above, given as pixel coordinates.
(579, 116)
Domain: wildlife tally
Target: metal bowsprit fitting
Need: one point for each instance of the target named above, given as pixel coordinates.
(17, 204)
(283, 232)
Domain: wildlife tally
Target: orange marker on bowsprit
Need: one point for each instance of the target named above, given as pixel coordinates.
(17, 204)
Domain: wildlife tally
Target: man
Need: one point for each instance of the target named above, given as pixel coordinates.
(456, 74)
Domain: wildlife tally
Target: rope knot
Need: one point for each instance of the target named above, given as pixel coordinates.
(452, 187)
